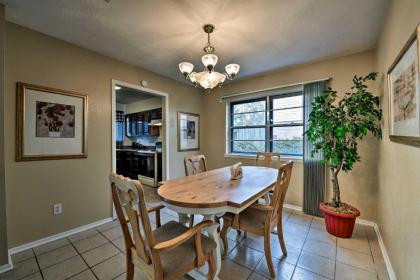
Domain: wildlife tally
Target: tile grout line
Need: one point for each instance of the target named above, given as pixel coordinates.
(371, 253)
(80, 255)
(335, 261)
(359, 252)
(120, 275)
(301, 250)
(77, 254)
(37, 263)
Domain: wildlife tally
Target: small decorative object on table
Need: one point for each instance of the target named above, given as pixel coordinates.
(236, 171)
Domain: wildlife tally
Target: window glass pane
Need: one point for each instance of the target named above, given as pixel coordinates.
(249, 119)
(248, 146)
(288, 116)
(249, 107)
(288, 147)
(288, 140)
(287, 102)
(287, 133)
(248, 134)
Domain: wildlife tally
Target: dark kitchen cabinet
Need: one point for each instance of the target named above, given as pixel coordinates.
(134, 163)
(139, 123)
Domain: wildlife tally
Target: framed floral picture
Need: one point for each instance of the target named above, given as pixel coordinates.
(188, 132)
(404, 93)
(51, 123)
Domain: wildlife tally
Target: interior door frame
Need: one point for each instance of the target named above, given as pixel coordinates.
(165, 152)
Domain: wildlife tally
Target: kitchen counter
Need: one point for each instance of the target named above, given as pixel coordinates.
(138, 151)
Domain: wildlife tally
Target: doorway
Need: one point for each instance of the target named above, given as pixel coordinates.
(140, 129)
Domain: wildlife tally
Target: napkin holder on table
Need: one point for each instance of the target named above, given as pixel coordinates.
(236, 171)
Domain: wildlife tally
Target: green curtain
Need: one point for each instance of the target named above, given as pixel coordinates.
(313, 169)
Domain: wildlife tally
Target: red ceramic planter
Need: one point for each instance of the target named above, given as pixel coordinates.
(339, 224)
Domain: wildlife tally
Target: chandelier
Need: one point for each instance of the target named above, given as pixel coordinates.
(208, 78)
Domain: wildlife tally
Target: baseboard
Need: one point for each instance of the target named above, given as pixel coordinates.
(293, 207)
(8, 266)
(375, 226)
(387, 260)
(57, 236)
(365, 222)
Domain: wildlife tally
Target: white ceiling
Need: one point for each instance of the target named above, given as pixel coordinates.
(260, 35)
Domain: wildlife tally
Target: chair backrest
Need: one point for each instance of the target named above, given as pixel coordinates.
(130, 204)
(195, 164)
(280, 189)
(266, 158)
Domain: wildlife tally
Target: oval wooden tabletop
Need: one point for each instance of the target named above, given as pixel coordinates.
(215, 188)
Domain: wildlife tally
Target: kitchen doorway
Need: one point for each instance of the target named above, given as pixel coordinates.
(140, 129)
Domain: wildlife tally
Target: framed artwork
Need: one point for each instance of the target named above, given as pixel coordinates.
(51, 123)
(188, 132)
(404, 93)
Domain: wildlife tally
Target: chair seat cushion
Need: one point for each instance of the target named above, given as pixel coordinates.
(183, 255)
(250, 217)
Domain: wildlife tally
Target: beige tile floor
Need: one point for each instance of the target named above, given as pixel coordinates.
(312, 254)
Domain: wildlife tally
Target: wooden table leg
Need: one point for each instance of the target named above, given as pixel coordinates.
(183, 218)
(213, 234)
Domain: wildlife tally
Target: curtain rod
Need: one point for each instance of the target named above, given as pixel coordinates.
(272, 88)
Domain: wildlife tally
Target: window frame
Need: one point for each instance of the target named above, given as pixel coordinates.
(268, 126)
(232, 127)
(291, 124)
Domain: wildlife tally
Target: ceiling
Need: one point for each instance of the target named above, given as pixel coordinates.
(260, 35)
(127, 95)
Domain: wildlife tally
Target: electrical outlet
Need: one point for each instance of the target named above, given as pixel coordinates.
(58, 209)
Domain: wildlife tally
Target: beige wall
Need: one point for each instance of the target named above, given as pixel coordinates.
(399, 176)
(358, 187)
(79, 184)
(3, 232)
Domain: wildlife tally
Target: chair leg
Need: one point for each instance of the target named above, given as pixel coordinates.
(158, 224)
(267, 250)
(223, 236)
(130, 268)
(212, 267)
(281, 239)
(191, 221)
(238, 232)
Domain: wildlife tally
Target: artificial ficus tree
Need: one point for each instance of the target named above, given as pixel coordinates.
(336, 124)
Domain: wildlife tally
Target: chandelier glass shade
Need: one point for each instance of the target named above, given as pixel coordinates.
(208, 78)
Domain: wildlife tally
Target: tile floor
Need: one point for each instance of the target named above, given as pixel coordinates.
(312, 254)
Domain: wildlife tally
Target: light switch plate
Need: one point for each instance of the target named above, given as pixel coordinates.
(58, 209)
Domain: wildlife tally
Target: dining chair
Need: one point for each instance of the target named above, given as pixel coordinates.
(166, 253)
(261, 219)
(266, 159)
(193, 165)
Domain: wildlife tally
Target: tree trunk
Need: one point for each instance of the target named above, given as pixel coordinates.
(336, 189)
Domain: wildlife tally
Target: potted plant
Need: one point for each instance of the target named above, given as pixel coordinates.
(335, 126)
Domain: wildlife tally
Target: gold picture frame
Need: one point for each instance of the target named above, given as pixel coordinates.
(188, 127)
(404, 93)
(50, 123)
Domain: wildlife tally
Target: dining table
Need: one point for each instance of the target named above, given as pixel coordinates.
(213, 193)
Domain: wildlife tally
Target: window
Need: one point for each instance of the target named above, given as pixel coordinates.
(272, 124)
